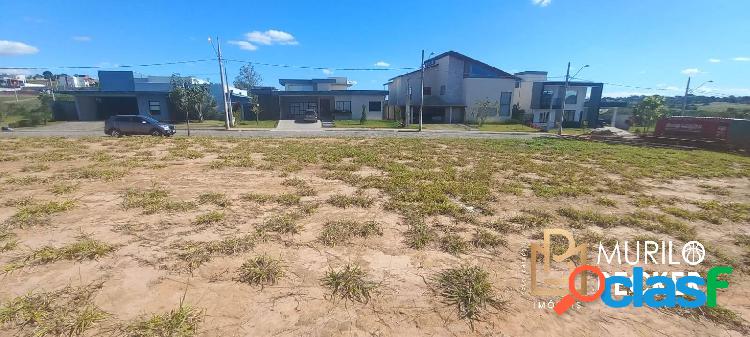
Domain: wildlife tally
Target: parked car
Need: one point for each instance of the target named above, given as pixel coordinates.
(310, 116)
(119, 125)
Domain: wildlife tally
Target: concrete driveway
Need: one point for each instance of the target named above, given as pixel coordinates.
(289, 125)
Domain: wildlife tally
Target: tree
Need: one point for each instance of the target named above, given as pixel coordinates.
(363, 118)
(190, 99)
(482, 109)
(247, 78)
(255, 108)
(649, 110)
(48, 75)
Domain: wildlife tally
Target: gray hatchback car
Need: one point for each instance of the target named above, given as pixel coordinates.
(136, 125)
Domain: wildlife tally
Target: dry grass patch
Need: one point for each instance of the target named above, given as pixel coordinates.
(196, 253)
(453, 244)
(418, 235)
(86, 248)
(96, 172)
(261, 270)
(349, 283)
(485, 239)
(7, 240)
(286, 199)
(181, 322)
(215, 198)
(154, 200)
(34, 213)
(469, 289)
(38, 167)
(344, 201)
(63, 188)
(67, 312)
(340, 231)
(604, 201)
(718, 315)
(282, 224)
(303, 188)
(26, 180)
(531, 218)
(209, 218)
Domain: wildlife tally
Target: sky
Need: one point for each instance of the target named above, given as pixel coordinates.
(634, 46)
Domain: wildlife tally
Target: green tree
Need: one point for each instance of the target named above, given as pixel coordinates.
(247, 78)
(191, 99)
(363, 118)
(48, 75)
(649, 110)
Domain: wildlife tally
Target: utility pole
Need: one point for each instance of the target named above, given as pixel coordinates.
(408, 104)
(684, 99)
(229, 98)
(421, 102)
(559, 116)
(227, 121)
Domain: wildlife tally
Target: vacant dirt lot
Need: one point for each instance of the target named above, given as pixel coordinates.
(248, 237)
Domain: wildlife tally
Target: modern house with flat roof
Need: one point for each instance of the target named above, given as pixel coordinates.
(121, 93)
(454, 86)
(542, 100)
(330, 97)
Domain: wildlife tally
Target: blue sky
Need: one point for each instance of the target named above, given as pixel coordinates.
(647, 44)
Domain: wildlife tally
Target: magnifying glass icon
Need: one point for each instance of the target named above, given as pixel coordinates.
(569, 299)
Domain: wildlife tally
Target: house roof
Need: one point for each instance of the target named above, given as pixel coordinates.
(110, 93)
(574, 83)
(497, 71)
(331, 93)
(285, 81)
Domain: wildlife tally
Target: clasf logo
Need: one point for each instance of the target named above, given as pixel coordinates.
(681, 289)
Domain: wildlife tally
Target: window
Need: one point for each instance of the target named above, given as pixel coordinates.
(571, 97)
(518, 84)
(546, 99)
(505, 97)
(374, 105)
(343, 106)
(442, 90)
(569, 115)
(154, 107)
(427, 91)
(543, 117)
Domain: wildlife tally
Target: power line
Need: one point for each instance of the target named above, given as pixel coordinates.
(108, 67)
(318, 67)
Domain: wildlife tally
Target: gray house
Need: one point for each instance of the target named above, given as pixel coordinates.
(454, 84)
(121, 93)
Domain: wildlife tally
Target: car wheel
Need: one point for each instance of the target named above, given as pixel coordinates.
(155, 132)
(115, 133)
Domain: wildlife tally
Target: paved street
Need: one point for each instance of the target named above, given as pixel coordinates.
(95, 129)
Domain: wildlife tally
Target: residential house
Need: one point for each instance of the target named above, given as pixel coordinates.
(238, 97)
(455, 86)
(121, 93)
(66, 82)
(330, 97)
(543, 100)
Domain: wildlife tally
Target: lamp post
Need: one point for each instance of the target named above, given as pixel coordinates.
(558, 117)
(687, 91)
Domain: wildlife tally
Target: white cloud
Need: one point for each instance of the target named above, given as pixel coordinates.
(691, 71)
(81, 38)
(271, 37)
(16, 48)
(714, 60)
(742, 59)
(627, 93)
(382, 64)
(244, 45)
(327, 71)
(541, 3)
(17, 71)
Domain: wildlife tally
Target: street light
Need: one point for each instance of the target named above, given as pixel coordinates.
(558, 117)
(687, 91)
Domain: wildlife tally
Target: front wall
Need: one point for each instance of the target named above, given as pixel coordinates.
(359, 100)
(143, 104)
(479, 89)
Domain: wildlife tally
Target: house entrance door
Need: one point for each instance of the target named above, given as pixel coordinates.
(325, 110)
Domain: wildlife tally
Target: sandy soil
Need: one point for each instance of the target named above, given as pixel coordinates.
(143, 277)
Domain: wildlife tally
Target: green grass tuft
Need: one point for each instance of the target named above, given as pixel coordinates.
(261, 270)
(453, 244)
(340, 231)
(469, 289)
(344, 201)
(181, 322)
(350, 283)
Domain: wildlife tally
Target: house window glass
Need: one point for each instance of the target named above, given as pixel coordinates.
(154, 107)
(427, 91)
(571, 97)
(442, 90)
(344, 106)
(374, 105)
(569, 115)
(546, 99)
(544, 117)
(505, 98)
